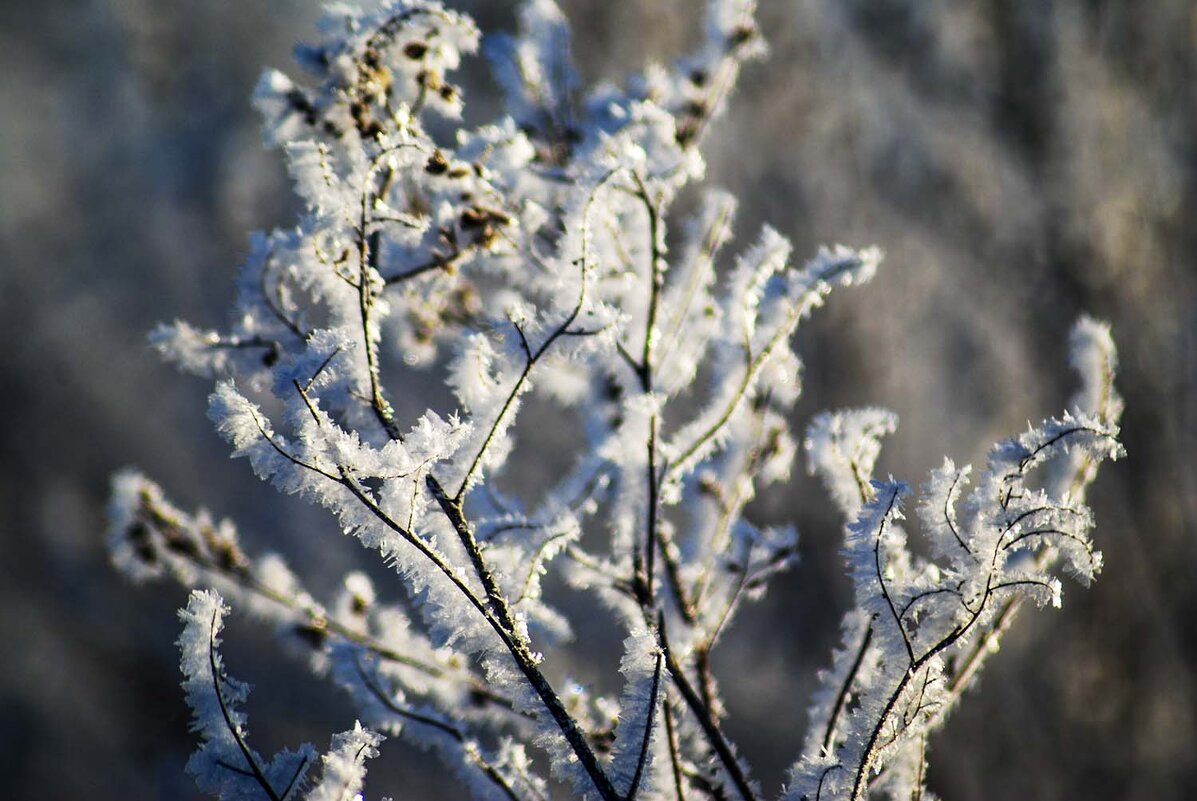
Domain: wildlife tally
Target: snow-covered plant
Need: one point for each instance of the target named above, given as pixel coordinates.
(531, 258)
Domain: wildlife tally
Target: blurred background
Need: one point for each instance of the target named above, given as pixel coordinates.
(1019, 161)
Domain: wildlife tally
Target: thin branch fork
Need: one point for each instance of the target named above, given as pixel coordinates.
(504, 622)
(451, 729)
(1001, 620)
(531, 357)
(504, 627)
(494, 609)
(254, 768)
(841, 700)
(476, 685)
(872, 746)
(893, 500)
(657, 270)
(644, 370)
(698, 708)
(701, 706)
(368, 246)
(345, 478)
(438, 262)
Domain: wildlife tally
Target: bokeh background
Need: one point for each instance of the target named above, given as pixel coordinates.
(1019, 161)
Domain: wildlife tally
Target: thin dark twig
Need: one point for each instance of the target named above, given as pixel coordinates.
(706, 679)
(881, 576)
(228, 720)
(498, 613)
(714, 735)
(823, 777)
(295, 460)
(642, 759)
(240, 771)
(275, 305)
(914, 599)
(368, 244)
(1045, 532)
(453, 731)
(444, 263)
(533, 356)
(652, 536)
(947, 511)
(299, 769)
(841, 699)
(477, 687)
(871, 745)
(323, 366)
(674, 757)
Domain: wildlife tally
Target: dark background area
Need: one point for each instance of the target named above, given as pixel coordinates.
(1019, 161)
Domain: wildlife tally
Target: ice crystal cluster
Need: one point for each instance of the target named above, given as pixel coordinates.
(532, 257)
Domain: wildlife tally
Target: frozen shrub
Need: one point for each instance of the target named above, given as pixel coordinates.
(531, 256)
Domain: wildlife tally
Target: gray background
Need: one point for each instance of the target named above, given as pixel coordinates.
(1019, 161)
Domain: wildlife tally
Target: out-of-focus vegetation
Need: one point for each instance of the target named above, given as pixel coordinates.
(1019, 162)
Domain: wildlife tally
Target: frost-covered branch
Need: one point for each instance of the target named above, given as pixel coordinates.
(921, 629)
(225, 765)
(539, 262)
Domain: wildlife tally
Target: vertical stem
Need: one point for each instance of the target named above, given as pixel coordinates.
(674, 760)
(368, 245)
